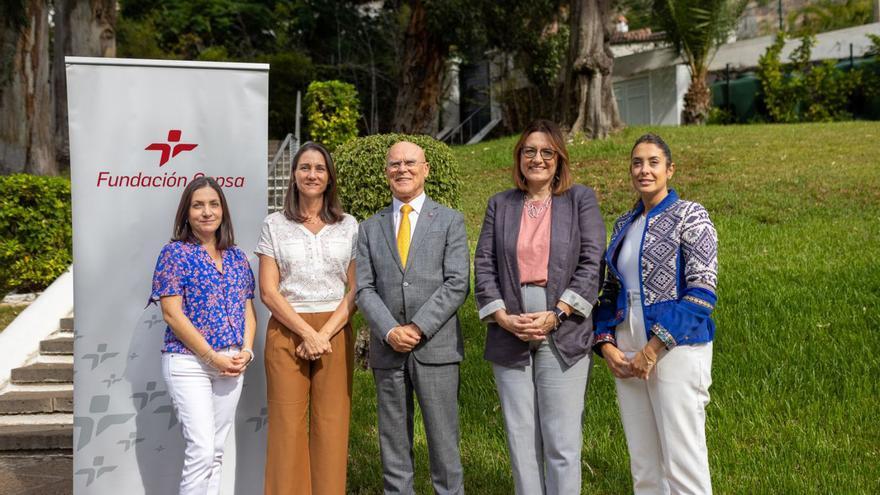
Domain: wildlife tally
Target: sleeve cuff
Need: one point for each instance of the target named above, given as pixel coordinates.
(487, 312)
(580, 305)
(388, 333)
(663, 334)
(264, 252)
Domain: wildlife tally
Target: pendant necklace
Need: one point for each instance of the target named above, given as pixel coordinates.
(536, 208)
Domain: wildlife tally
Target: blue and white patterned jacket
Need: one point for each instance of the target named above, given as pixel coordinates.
(678, 270)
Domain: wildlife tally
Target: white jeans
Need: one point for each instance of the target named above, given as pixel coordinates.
(664, 418)
(205, 403)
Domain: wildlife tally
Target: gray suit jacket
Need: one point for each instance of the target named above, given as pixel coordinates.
(428, 292)
(577, 243)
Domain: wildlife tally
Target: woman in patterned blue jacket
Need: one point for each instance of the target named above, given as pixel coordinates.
(654, 327)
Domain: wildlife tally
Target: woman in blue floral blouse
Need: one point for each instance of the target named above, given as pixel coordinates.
(654, 326)
(205, 287)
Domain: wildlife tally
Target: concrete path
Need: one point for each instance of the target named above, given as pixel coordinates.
(36, 474)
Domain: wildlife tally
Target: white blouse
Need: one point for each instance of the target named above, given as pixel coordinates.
(313, 267)
(628, 257)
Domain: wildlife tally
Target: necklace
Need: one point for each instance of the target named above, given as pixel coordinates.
(537, 208)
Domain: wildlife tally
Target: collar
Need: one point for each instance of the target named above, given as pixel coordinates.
(670, 198)
(417, 203)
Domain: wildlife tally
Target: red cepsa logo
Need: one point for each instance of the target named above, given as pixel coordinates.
(167, 178)
(169, 152)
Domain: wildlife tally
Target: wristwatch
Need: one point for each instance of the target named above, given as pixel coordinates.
(561, 316)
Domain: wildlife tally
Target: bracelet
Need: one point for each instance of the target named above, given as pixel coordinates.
(251, 352)
(210, 360)
(650, 361)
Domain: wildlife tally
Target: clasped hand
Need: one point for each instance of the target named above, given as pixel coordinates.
(230, 365)
(404, 338)
(639, 366)
(314, 345)
(527, 327)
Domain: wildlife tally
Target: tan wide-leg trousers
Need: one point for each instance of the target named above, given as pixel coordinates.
(309, 410)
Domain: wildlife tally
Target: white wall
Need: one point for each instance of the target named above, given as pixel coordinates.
(653, 97)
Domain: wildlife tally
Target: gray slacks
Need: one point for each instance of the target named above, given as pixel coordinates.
(543, 406)
(436, 388)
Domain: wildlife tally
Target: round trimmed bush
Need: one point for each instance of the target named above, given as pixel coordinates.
(363, 188)
(35, 231)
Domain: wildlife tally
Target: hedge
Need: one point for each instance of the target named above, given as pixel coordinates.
(363, 188)
(35, 231)
(332, 112)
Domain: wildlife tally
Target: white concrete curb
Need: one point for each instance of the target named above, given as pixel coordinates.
(21, 339)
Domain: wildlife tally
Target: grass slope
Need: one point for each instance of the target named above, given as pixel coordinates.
(795, 395)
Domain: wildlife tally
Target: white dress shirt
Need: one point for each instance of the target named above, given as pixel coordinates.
(416, 204)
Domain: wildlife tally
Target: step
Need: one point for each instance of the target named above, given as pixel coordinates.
(36, 437)
(57, 344)
(36, 402)
(54, 372)
(67, 324)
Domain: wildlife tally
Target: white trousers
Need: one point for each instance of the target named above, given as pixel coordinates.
(664, 418)
(205, 403)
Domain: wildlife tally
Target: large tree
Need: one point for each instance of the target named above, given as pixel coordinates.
(84, 28)
(26, 110)
(593, 108)
(696, 29)
(424, 57)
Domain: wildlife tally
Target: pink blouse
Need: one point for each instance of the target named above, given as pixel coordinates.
(533, 247)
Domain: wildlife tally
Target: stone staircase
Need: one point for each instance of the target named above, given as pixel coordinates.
(36, 406)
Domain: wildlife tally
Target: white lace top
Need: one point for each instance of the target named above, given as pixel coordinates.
(312, 266)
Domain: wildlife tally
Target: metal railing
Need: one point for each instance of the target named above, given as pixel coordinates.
(464, 131)
(279, 172)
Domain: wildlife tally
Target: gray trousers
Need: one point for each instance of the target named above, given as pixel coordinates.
(436, 387)
(543, 406)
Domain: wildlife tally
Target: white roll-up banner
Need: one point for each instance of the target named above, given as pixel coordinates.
(140, 130)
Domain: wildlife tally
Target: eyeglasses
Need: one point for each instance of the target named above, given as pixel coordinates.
(546, 153)
(409, 164)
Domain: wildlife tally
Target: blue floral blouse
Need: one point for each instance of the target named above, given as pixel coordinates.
(214, 302)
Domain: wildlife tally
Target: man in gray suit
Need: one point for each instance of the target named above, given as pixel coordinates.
(412, 276)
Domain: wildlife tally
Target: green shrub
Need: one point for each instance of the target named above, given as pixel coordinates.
(803, 90)
(35, 231)
(363, 188)
(332, 112)
(776, 87)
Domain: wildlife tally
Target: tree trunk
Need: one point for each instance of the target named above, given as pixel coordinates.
(424, 56)
(84, 28)
(588, 93)
(697, 100)
(26, 111)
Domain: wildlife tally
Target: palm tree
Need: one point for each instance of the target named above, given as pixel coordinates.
(696, 29)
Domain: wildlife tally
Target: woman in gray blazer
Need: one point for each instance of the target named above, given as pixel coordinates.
(537, 269)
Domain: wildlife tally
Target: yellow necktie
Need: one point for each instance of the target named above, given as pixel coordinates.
(403, 234)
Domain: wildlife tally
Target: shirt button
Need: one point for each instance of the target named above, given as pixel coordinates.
(406, 284)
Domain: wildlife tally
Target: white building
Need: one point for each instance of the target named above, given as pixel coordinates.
(650, 85)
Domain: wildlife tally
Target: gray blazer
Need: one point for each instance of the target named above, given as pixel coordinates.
(428, 293)
(577, 243)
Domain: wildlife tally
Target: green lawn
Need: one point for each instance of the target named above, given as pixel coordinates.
(7, 314)
(795, 397)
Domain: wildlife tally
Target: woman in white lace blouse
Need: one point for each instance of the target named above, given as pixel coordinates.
(307, 272)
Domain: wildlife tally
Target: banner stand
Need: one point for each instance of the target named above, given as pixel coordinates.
(140, 130)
